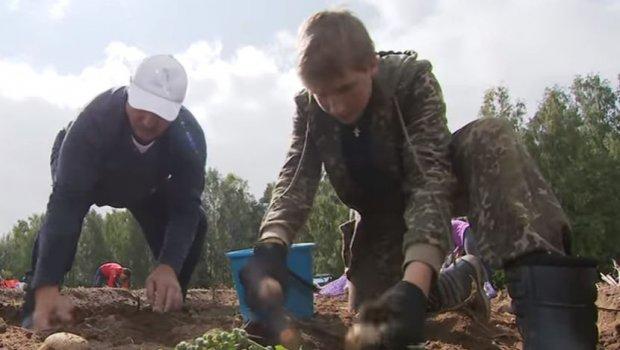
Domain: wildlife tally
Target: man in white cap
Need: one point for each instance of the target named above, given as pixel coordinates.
(133, 147)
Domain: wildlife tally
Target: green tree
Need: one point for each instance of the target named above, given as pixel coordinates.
(127, 245)
(16, 247)
(91, 251)
(497, 103)
(234, 217)
(574, 137)
(322, 228)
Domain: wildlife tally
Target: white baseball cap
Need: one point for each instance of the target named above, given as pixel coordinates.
(158, 86)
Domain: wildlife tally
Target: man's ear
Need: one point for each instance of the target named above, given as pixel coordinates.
(374, 65)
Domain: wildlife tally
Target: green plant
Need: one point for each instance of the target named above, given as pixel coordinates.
(237, 339)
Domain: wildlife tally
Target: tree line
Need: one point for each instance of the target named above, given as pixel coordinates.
(574, 136)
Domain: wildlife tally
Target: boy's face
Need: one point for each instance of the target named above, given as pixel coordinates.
(346, 96)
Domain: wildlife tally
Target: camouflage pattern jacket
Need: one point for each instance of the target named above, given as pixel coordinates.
(410, 133)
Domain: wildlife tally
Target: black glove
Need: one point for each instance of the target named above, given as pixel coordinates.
(269, 260)
(399, 316)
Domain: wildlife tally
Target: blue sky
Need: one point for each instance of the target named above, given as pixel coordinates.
(57, 54)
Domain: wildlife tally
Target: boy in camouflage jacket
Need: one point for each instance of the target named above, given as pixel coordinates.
(376, 123)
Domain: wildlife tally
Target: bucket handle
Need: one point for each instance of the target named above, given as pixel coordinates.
(303, 282)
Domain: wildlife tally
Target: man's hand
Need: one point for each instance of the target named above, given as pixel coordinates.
(395, 321)
(51, 308)
(163, 290)
(264, 276)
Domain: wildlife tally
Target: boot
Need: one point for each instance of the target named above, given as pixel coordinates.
(461, 287)
(553, 298)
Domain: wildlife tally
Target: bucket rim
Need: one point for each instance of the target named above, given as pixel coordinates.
(241, 253)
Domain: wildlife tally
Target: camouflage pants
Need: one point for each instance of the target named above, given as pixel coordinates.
(511, 208)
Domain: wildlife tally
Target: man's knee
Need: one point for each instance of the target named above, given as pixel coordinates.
(201, 233)
(203, 225)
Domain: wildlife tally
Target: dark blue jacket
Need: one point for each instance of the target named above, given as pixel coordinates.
(98, 163)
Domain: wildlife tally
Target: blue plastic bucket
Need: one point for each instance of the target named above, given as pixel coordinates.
(299, 298)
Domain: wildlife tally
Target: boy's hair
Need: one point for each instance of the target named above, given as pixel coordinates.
(330, 42)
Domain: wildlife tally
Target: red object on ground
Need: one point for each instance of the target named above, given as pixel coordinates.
(111, 271)
(10, 284)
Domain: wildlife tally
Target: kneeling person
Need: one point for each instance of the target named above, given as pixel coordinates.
(376, 123)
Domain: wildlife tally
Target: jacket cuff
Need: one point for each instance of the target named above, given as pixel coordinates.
(175, 264)
(41, 281)
(429, 254)
(275, 231)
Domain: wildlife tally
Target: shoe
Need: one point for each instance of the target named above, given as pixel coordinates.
(461, 287)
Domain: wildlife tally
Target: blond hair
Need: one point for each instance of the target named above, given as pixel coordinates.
(330, 42)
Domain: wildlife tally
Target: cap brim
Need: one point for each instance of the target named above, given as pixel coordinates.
(141, 99)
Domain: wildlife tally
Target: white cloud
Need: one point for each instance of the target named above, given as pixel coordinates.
(13, 5)
(58, 9)
(525, 45)
(243, 102)
(27, 132)
(71, 90)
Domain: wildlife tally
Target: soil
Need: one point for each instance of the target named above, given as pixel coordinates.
(121, 319)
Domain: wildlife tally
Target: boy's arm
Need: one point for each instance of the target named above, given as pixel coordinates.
(297, 183)
(428, 174)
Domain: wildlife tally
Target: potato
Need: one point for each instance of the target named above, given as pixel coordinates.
(362, 336)
(64, 341)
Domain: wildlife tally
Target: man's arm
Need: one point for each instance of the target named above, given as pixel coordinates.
(184, 193)
(76, 175)
(297, 183)
(428, 172)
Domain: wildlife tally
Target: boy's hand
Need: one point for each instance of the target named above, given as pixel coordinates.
(264, 277)
(51, 308)
(395, 321)
(163, 290)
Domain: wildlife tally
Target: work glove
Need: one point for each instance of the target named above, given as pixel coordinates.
(395, 321)
(267, 265)
(264, 278)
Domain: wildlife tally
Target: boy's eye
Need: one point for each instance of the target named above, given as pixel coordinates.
(345, 88)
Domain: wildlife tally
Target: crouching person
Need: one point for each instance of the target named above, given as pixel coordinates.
(376, 123)
(133, 147)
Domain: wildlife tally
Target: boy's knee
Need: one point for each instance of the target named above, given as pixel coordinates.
(492, 127)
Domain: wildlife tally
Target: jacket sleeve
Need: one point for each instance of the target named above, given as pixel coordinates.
(184, 193)
(429, 180)
(76, 174)
(297, 183)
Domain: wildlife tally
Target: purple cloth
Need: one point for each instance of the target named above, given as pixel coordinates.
(335, 288)
(458, 234)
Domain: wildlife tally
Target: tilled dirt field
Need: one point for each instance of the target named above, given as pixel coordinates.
(119, 319)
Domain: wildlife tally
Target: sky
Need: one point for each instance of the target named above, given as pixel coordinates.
(240, 57)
